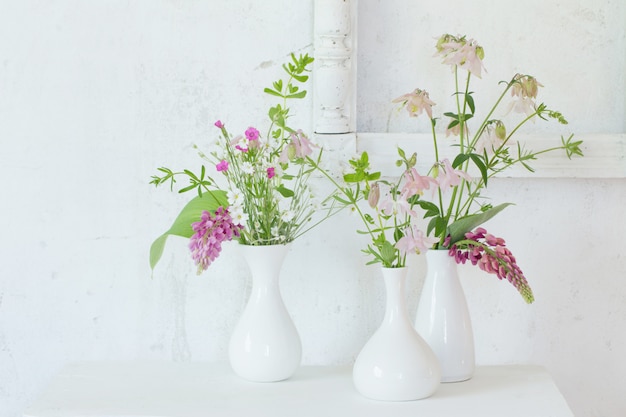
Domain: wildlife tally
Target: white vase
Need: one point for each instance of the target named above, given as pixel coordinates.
(443, 318)
(396, 364)
(265, 345)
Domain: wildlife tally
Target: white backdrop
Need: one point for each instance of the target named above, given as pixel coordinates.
(94, 96)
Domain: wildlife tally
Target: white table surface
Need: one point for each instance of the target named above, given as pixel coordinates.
(168, 389)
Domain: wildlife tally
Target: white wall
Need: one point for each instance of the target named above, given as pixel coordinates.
(94, 96)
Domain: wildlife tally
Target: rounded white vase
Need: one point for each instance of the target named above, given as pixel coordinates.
(396, 364)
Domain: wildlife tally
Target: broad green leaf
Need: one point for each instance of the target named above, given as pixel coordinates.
(191, 213)
(458, 228)
(478, 161)
(460, 158)
(284, 191)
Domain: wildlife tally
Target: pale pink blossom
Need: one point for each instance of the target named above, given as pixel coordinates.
(524, 90)
(416, 102)
(463, 53)
(415, 184)
(450, 177)
(414, 241)
(398, 206)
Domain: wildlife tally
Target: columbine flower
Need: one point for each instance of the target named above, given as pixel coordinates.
(458, 51)
(491, 138)
(399, 206)
(450, 177)
(525, 88)
(415, 183)
(416, 102)
(210, 232)
(302, 145)
(414, 241)
(222, 166)
(492, 256)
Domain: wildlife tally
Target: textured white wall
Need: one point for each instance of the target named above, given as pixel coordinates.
(94, 96)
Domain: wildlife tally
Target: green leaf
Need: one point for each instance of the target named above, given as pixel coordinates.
(301, 94)
(284, 191)
(470, 102)
(272, 92)
(458, 228)
(478, 161)
(191, 213)
(460, 158)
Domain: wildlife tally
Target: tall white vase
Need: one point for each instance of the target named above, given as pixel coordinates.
(265, 345)
(443, 318)
(396, 364)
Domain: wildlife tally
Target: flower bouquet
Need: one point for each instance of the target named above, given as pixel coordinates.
(448, 197)
(256, 188)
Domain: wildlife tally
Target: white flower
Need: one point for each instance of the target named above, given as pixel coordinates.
(235, 197)
(247, 168)
(287, 215)
(239, 216)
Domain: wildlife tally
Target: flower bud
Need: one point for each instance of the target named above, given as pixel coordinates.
(373, 195)
(500, 130)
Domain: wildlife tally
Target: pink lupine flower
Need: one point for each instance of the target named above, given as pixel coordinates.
(219, 124)
(414, 241)
(252, 134)
(271, 172)
(492, 256)
(416, 102)
(450, 177)
(210, 232)
(222, 166)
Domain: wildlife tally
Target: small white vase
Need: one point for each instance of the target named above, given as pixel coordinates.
(443, 318)
(265, 345)
(396, 364)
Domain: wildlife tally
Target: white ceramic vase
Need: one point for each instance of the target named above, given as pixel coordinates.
(443, 318)
(396, 364)
(265, 345)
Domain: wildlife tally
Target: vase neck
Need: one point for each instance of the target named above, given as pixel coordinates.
(395, 281)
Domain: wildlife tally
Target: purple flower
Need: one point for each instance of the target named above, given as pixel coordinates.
(219, 124)
(210, 232)
(492, 256)
(271, 172)
(222, 166)
(252, 133)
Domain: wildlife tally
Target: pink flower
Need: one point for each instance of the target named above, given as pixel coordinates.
(415, 183)
(416, 103)
(450, 177)
(302, 144)
(373, 195)
(271, 172)
(210, 232)
(240, 148)
(252, 134)
(399, 206)
(492, 256)
(222, 166)
(458, 51)
(525, 88)
(219, 124)
(414, 241)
